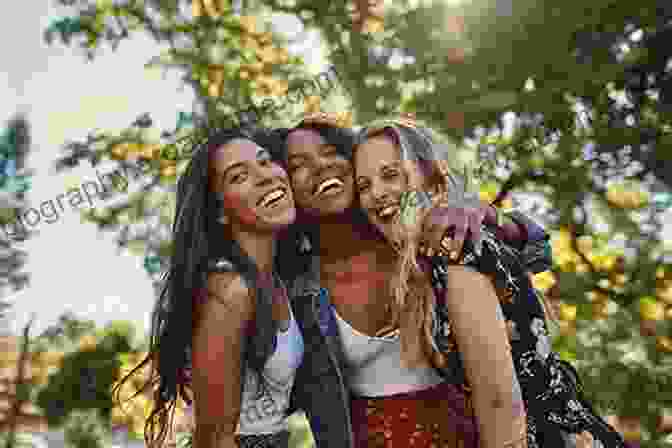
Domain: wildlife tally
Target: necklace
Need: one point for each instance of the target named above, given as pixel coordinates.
(279, 289)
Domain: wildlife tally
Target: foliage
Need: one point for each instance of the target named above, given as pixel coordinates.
(84, 430)
(15, 144)
(233, 63)
(89, 366)
(567, 109)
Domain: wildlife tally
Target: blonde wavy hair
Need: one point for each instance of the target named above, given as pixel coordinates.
(432, 177)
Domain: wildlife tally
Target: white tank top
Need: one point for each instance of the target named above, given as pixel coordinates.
(266, 413)
(374, 365)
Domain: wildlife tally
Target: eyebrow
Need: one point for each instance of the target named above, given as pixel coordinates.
(303, 154)
(260, 153)
(382, 168)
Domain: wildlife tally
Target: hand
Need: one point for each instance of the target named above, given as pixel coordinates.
(445, 228)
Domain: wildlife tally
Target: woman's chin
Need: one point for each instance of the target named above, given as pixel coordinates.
(331, 205)
(277, 222)
(330, 212)
(285, 220)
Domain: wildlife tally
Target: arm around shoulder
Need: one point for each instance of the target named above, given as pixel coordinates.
(217, 345)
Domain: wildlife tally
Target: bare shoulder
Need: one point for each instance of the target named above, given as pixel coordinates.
(463, 269)
(464, 273)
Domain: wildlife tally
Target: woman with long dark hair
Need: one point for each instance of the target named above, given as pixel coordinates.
(342, 284)
(223, 331)
(401, 169)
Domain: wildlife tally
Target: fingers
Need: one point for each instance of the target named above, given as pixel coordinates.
(460, 235)
(445, 230)
(448, 248)
(475, 223)
(426, 248)
(438, 228)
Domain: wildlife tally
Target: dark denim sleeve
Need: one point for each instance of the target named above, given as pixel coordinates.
(318, 390)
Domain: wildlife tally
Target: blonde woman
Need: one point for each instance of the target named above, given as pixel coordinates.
(454, 314)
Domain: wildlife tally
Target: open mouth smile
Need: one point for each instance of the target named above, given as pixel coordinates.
(273, 197)
(329, 187)
(388, 212)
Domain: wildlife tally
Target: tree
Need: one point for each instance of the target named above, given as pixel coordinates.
(15, 145)
(14, 183)
(88, 369)
(567, 107)
(22, 386)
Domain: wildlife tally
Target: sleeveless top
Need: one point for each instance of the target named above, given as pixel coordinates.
(264, 407)
(374, 365)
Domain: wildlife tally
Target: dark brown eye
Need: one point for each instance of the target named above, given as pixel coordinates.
(238, 178)
(294, 163)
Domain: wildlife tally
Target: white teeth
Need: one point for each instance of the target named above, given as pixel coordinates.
(328, 183)
(388, 211)
(272, 196)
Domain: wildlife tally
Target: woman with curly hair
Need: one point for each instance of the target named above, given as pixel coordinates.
(342, 284)
(223, 331)
(445, 308)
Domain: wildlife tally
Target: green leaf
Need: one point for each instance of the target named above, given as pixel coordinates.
(492, 100)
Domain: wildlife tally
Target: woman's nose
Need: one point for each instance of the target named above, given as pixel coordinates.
(324, 163)
(379, 192)
(264, 174)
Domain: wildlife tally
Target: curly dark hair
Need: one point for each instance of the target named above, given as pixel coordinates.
(199, 240)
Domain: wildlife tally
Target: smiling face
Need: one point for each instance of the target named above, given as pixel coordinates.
(382, 177)
(255, 190)
(322, 179)
(380, 181)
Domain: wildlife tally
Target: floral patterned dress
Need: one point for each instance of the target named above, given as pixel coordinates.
(557, 413)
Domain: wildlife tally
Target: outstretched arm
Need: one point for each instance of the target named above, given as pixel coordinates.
(446, 227)
(480, 332)
(218, 339)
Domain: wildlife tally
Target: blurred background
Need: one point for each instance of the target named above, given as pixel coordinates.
(565, 110)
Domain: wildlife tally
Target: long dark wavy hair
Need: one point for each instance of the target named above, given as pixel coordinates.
(344, 140)
(199, 240)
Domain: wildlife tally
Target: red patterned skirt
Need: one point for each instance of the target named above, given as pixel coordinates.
(439, 417)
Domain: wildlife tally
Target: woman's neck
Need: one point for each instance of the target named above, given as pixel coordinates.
(343, 236)
(261, 248)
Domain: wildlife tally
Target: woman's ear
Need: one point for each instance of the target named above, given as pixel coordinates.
(219, 209)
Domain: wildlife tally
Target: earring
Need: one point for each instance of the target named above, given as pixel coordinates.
(223, 219)
(305, 246)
